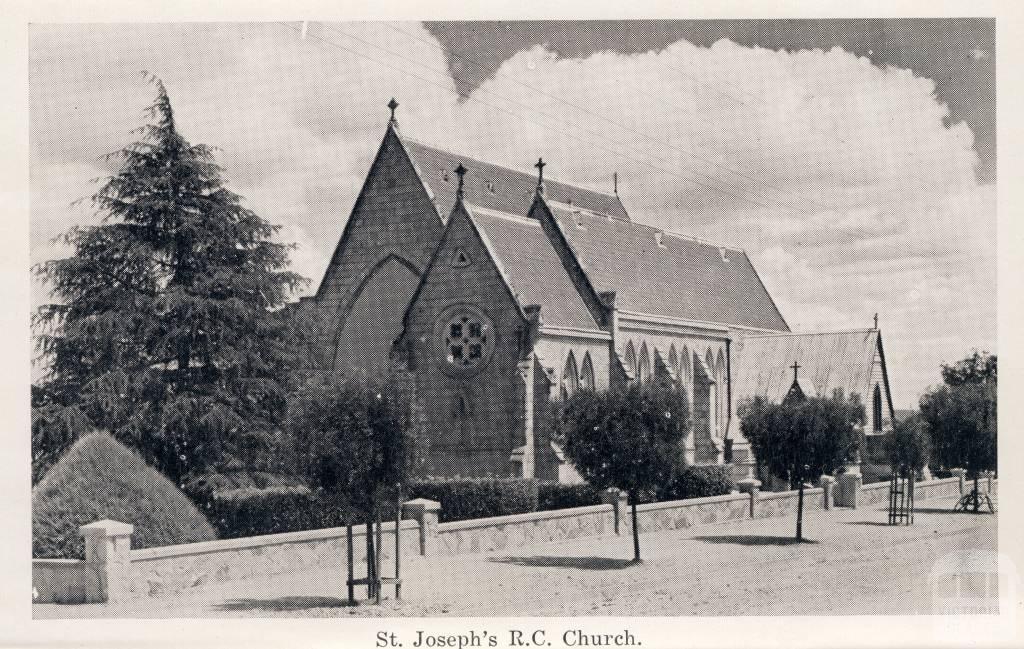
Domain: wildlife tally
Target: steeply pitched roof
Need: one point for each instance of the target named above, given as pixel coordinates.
(683, 277)
(532, 268)
(831, 360)
(498, 188)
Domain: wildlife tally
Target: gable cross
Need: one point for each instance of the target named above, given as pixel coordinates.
(461, 171)
(876, 321)
(392, 105)
(540, 169)
(795, 367)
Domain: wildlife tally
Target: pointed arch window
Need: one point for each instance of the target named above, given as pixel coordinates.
(643, 371)
(720, 380)
(686, 372)
(587, 374)
(713, 389)
(876, 406)
(570, 378)
(631, 358)
(673, 360)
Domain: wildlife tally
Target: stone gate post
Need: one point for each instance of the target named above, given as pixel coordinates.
(620, 503)
(426, 513)
(962, 474)
(108, 547)
(827, 483)
(849, 490)
(751, 486)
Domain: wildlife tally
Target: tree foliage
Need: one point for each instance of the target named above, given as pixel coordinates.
(961, 414)
(628, 438)
(165, 327)
(99, 478)
(803, 438)
(907, 446)
(356, 439)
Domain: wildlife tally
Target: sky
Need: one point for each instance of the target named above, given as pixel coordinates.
(854, 161)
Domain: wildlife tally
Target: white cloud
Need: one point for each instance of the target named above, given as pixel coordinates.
(888, 216)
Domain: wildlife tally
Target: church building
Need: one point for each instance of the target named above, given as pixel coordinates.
(502, 292)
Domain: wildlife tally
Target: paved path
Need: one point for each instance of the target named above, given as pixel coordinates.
(854, 564)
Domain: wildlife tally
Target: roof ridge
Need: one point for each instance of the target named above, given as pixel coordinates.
(588, 188)
(814, 333)
(667, 231)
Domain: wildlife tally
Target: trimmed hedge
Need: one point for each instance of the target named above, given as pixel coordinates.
(99, 478)
(555, 495)
(700, 482)
(465, 498)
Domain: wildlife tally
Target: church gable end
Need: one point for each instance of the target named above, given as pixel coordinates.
(387, 242)
(462, 342)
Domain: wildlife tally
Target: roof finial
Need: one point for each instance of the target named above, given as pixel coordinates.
(796, 366)
(461, 171)
(393, 105)
(615, 182)
(876, 322)
(540, 173)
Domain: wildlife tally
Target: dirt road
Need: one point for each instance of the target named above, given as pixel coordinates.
(853, 564)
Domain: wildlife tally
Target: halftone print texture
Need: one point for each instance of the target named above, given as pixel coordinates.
(509, 218)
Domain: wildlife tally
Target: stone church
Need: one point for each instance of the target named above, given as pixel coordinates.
(503, 291)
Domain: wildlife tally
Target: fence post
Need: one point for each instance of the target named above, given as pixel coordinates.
(108, 547)
(426, 513)
(960, 473)
(988, 476)
(751, 486)
(827, 484)
(620, 504)
(849, 490)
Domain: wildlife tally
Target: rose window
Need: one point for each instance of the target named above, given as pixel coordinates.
(468, 339)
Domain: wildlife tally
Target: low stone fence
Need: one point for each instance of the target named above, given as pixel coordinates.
(173, 568)
(112, 571)
(59, 581)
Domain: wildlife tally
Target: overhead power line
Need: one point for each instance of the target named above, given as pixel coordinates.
(759, 182)
(853, 231)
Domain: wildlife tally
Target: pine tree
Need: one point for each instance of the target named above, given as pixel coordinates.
(166, 327)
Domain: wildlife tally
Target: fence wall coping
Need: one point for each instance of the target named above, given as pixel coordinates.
(512, 519)
(58, 563)
(691, 502)
(792, 493)
(222, 545)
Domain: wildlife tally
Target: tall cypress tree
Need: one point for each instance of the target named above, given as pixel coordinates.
(167, 326)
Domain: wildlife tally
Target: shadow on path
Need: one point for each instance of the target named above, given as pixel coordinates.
(948, 510)
(292, 603)
(752, 539)
(584, 563)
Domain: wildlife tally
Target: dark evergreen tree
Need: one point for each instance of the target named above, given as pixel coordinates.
(166, 327)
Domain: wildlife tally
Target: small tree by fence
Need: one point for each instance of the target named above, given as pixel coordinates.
(627, 438)
(906, 449)
(802, 438)
(357, 441)
(961, 418)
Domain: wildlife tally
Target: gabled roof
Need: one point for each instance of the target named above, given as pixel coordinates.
(498, 188)
(830, 360)
(682, 277)
(532, 268)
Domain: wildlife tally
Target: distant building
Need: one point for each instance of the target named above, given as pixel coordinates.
(515, 291)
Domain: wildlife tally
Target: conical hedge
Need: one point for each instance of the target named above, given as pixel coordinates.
(100, 478)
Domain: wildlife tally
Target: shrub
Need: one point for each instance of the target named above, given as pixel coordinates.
(554, 495)
(466, 498)
(700, 482)
(98, 478)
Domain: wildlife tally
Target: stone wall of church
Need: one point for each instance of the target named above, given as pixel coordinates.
(474, 415)
(388, 241)
(554, 354)
(710, 420)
